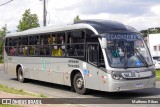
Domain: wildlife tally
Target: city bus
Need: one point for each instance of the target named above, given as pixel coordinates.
(90, 54)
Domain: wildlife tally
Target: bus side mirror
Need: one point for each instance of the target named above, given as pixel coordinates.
(104, 43)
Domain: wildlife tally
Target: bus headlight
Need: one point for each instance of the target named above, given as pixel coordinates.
(117, 77)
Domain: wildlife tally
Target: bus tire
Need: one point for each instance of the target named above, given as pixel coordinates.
(78, 83)
(20, 75)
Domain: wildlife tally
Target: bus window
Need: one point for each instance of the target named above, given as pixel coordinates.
(58, 44)
(13, 45)
(44, 39)
(101, 58)
(52, 39)
(93, 53)
(75, 50)
(12, 51)
(10, 42)
(75, 43)
(23, 46)
(44, 47)
(6, 42)
(15, 41)
(23, 40)
(76, 37)
(60, 39)
(25, 50)
(57, 51)
(44, 50)
(33, 50)
(33, 40)
(6, 46)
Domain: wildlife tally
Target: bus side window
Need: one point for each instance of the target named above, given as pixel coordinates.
(76, 43)
(12, 51)
(6, 46)
(101, 58)
(33, 48)
(13, 45)
(25, 50)
(23, 44)
(58, 44)
(52, 39)
(44, 45)
(93, 53)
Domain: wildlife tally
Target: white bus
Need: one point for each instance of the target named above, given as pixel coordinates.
(90, 54)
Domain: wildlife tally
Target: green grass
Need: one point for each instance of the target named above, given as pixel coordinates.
(42, 95)
(1, 61)
(19, 91)
(158, 75)
(6, 105)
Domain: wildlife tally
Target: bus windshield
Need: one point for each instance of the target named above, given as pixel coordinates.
(127, 50)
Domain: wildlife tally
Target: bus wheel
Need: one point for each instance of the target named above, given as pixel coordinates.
(78, 84)
(20, 75)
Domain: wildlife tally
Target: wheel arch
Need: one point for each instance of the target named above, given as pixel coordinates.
(73, 73)
(17, 67)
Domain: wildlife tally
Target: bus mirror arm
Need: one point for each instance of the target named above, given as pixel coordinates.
(95, 36)
(98, 35)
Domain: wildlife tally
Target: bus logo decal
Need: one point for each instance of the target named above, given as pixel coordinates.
(85, 72)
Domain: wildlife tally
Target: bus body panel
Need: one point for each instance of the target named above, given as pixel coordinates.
(52, 71)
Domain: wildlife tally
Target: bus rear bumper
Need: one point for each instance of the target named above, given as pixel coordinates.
(131, 84)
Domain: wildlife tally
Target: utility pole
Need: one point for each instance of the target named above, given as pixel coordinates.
(44, 13)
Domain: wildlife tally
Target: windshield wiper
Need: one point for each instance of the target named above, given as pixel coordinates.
(139, 55)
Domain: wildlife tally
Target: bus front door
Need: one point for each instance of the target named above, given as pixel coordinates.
(92, 71)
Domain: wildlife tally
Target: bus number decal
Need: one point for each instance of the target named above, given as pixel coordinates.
(43, 64)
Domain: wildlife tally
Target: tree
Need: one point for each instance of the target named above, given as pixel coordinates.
(77, 18)
(3, 32)
(150, 31)
(28, 21)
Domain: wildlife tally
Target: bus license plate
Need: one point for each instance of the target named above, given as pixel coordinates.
(136, 74)
(129, 75)
(139, 85)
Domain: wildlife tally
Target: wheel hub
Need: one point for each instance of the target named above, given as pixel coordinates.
(79, 82)
(20, 75)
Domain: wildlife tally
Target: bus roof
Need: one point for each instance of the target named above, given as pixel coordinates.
(104, 26)
(97, 26)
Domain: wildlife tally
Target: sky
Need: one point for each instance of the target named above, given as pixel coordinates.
(141, 14)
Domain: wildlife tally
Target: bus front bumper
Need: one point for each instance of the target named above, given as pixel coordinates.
(131, 84)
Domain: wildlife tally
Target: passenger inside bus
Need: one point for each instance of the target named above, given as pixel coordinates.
(25, 50)
(42, 51)
(58, 50)
(20, 50)
(122, 53)
(12, 51)
(52, 40)
(31, 50)
(62, 41)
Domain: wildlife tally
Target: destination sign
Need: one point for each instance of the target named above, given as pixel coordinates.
(125, 36)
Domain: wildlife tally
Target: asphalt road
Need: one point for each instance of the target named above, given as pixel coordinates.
(59, 91)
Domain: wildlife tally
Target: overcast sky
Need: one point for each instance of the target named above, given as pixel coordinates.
(141, 14)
